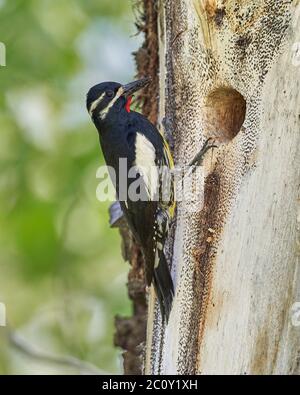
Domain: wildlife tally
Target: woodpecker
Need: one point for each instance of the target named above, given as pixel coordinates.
(128, 134)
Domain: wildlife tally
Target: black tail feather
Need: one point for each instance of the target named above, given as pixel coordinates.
(164, 287)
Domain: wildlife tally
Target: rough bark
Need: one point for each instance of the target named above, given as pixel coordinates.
(226, 71)
(131, 331)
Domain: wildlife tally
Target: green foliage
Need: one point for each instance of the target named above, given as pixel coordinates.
(61, 274)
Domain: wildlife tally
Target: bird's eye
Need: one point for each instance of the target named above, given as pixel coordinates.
(110, 93)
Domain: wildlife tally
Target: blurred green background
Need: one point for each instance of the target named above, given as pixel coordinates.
(62, 277)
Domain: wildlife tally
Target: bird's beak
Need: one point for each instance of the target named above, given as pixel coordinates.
(132, 87)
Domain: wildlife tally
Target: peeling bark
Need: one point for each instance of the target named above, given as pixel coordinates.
(226, 71)
(131, 331)
(147, 56)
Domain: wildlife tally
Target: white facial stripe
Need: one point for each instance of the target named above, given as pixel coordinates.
(95, 104)
(105, 111)
(145, 162)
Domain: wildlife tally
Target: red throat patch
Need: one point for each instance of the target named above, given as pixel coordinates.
(128, 103)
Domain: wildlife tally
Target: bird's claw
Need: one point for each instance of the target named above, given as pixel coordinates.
(206, 146)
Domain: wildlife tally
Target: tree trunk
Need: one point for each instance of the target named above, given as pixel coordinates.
(228, 71)
(130, 332)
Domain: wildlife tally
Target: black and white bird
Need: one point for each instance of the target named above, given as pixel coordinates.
(126, 134)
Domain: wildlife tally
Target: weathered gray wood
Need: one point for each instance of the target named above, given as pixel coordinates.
(228, 70)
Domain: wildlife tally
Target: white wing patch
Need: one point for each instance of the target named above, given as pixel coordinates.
(145, 162)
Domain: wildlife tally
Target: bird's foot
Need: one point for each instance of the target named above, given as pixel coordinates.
(198, 159)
